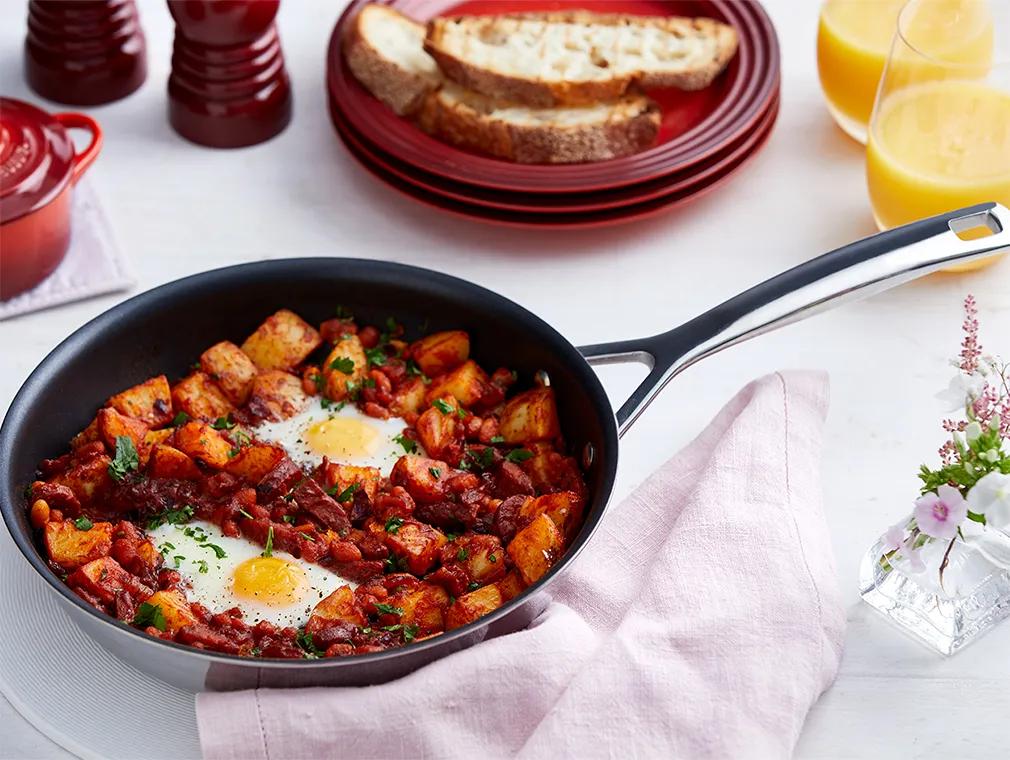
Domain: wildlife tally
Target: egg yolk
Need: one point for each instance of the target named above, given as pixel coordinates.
(269, 580)
(342, 438)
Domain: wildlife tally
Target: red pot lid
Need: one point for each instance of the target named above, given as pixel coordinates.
(36, 158)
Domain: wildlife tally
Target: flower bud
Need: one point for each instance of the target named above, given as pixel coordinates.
(996, 422)
(991, 456)
(973, 432)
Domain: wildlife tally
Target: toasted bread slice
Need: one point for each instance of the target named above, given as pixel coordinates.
(541, 135)
(384, 52)
(578, 57)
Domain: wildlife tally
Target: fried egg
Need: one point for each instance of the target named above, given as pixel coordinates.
(221, 572)
(344, 435)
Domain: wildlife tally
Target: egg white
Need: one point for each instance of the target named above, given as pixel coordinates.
(192, 549)
(293, 435)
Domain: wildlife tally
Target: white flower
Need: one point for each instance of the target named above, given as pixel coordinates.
(963, 389)
(990, 496)
(973, 431)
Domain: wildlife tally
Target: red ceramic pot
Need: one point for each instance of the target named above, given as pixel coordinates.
(39, 167)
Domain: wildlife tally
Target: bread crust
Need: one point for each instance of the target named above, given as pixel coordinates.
(399, 88)
(634, 128)
(545, 94)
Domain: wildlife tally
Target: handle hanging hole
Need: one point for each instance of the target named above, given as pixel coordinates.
(975, 226)
(588, 456)
(542, 379)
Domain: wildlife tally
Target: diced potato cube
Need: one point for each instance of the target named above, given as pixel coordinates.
(104, 578)
(467, 383)
(564, 508)
(345, 364)
(421, 477)
(276, 395)
(200, 398)
(70, 548)
(530, 416)
(86, 436)
(150, 402)
(409, 397)
(472, 606)
(255, 461)
(169, 462)
(441, 352)
(342, 476)
(417, 544)
(175, 609)
(200, 441)
(482, 555)
(511, 585)
(424, 607)
(283, 341)
(152, 439)
(89, 481)
(229, 367)
(437, 432)
(535, 548)
(342, 604)
(112, 425)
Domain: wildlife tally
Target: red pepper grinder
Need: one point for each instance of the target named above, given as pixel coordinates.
(84, 53)
(228, 87)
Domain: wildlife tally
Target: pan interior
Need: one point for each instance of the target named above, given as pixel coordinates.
(166, 329)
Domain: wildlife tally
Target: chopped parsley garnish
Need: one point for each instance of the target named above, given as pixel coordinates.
(451, 536)
(244, 513)
(412, 369)
(241, 439)
(473, 586)
(289, 519)
(462, 554)
(410, 632)
(519, 455)
(376, 356)
(368, 382)
(201, 564)
(320, 381)
(223, 423)
(492, 559)
(480, 459)
(218, 551)
(347, 494)
(178, 558)
(461, 413)
(304, 640)
(497, 439)
(343, 364)
(268, 550)
(391, 628)
(388, 609)
(435, 472)
(353, 390)
(126, 459)
(325, 403)
(306, 536)
(180, 419)
(83, 523)
(172, 516)
(442, 406)
(150, 615)
(409, 444)
(393, 525)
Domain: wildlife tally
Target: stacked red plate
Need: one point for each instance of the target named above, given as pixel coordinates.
(704, 138)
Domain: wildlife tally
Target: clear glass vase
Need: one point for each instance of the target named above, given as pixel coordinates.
(944, 611)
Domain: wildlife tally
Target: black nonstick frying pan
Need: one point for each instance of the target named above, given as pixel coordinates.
(162, 330)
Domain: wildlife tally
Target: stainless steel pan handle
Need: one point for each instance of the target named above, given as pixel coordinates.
(855, 271)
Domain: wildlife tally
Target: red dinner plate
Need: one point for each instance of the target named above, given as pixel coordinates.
(532, 219)
(696, 125)
(559, 203)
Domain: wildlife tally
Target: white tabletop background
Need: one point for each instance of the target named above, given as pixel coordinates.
(178, 209)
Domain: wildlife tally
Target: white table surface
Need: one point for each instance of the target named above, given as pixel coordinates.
(179, 209)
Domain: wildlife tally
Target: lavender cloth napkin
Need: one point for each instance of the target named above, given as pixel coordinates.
(702, 621)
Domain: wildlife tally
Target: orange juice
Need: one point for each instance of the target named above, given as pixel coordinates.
(853, 40)
(938, 146)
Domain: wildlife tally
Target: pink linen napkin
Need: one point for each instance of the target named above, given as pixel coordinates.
(703, 620)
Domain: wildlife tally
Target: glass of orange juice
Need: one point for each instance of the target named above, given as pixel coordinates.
(853, 40)
(939, 136)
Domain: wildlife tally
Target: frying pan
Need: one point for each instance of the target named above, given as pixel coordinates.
(160, 331)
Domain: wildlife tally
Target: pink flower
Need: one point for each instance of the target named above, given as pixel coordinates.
(939, 514)
(894, 537)
(914, 557)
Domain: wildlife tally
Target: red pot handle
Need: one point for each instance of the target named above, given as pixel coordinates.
(86, 157)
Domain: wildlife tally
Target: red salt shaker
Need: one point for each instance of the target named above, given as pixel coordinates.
(228, 86)
(84, 53)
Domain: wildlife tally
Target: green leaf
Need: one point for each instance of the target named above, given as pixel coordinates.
(976, 517)
(376, 356)
(409, 444)
(388, 609)
(442, 406)
(126, 459)
(83, 523)
(347, 494)
(393, 525)
(304, 640)
(343, 364)
(180, 419)
(223, 423)
(410, 632)
(172, 516)
(150, 615)
(519, 455)
(289, 519)
(268, 550)
(498, 439)
(462, 554)
(221, 553)
(435, 472)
